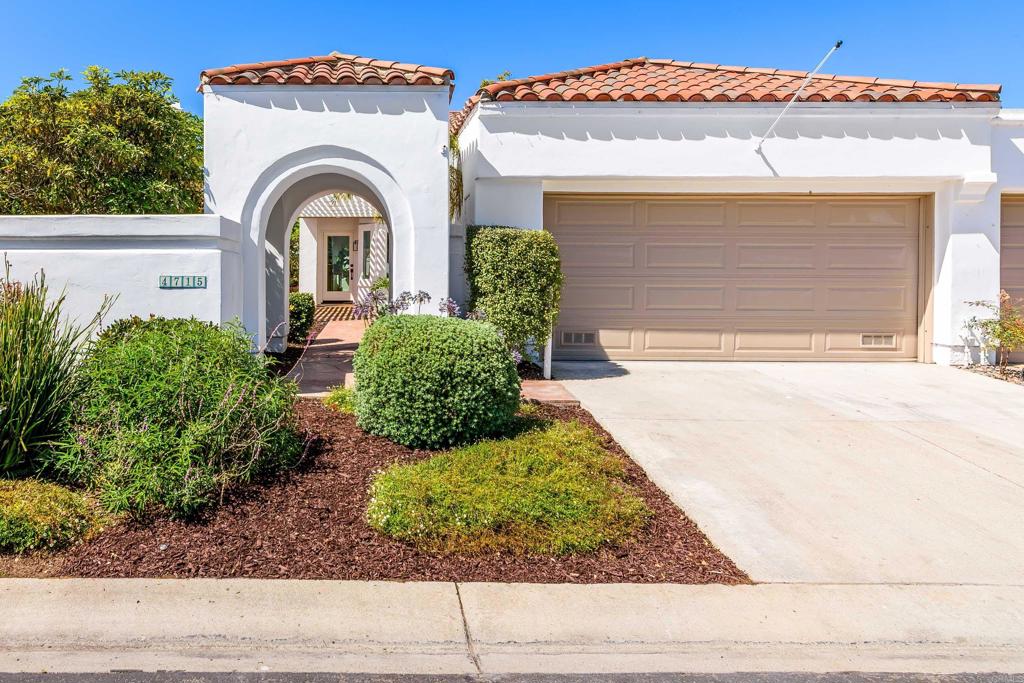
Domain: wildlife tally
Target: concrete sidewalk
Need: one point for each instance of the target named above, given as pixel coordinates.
(71, 625)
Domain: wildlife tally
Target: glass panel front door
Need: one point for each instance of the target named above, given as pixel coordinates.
(337, 263)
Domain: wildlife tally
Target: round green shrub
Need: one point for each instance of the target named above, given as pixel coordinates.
(431, 382)
(35, 515)
(300, 315)
(172, 412)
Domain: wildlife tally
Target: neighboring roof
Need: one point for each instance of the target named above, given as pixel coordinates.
(339, 206)
(457, 118)
(332, 69)
(667, 80)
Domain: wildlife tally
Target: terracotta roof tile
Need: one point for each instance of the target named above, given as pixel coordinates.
(667, 80)
(332, 69)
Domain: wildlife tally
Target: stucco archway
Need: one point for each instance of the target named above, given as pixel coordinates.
(276, 203)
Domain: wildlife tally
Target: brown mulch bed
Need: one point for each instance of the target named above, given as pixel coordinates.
(1014, 374)
(529, 370)
(310, 525)
(287, 359)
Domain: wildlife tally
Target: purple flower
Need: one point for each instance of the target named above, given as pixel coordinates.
(449, 307)
(517, 357)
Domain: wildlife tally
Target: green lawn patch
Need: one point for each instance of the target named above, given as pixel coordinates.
(551, 489)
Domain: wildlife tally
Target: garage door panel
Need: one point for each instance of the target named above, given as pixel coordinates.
(774, 299)
(677, 214)
(680, 297)
(683, 255)
(875, 215)
(594, 213)
(776, 256)
(892, 257)
(779, 279)
(590, 255)
(775, 214)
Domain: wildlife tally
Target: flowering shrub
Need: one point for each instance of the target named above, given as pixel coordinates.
(172, 412)
(1004, 330)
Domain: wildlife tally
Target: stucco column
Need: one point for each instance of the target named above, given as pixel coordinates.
(966, 267)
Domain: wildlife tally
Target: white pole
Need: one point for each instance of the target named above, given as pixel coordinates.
(547, 358)
(795, 97)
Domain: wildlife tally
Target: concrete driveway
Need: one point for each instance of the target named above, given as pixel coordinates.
(829, 473)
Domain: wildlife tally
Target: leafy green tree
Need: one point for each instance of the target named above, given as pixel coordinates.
(505, 75)
(121, 144)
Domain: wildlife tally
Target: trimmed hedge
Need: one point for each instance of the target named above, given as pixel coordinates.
(515, 278)
(171, 413)
(300, 315)
(35, 515)
(431, 382)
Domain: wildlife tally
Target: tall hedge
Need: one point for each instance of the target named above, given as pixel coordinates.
(515, 278)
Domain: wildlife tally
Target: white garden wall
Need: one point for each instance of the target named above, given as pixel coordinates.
(91, 257)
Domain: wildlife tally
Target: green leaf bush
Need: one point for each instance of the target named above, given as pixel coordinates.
(431, 382)
(39, 354)
(36, 515)
(515, 278)
(300, 315)
(550, 490)
(171, 413)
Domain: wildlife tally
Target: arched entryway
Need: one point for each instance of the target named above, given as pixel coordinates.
(278, 205)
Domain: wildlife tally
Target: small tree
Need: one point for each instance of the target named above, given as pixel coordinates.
(120, 145)
(1004, 330)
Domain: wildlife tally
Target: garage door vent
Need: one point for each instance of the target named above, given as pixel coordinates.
(578, 338)
(878, 341)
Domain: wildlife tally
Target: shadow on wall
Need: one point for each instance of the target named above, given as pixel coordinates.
(337, 103)
(735, 126)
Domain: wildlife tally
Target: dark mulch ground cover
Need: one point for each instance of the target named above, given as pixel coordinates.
(287, 359)
(310, 525)
(1012, 373)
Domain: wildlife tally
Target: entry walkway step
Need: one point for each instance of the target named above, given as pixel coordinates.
(327, 362)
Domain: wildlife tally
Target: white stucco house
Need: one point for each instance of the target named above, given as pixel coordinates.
(859, 230)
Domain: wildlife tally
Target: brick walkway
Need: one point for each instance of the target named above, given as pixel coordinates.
(327, 362)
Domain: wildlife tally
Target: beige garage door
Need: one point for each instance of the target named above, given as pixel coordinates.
(756, 278)
(1011, 254)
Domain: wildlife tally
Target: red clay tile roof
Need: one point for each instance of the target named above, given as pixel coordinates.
(332, 69)
(666, 80)
(457, 118)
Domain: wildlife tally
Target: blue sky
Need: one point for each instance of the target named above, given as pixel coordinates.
(935, 40)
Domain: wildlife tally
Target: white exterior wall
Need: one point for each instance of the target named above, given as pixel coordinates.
(270, 149)
(96, 256)
(958, 154)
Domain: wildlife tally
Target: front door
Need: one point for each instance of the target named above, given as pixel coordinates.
(338, 268)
